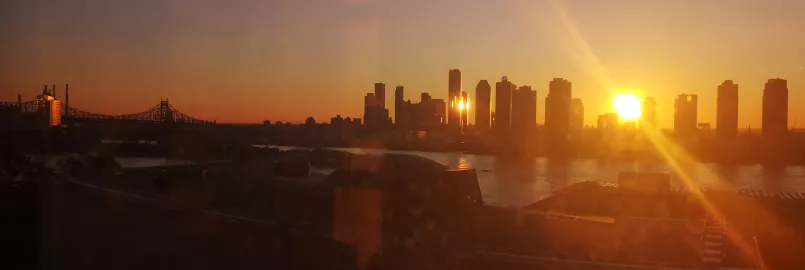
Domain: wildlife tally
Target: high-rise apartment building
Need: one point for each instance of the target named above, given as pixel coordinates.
(775, 107)
(503, 107)
(483, 99)
(557, 113)
(453, 98)
(685, 115)
(727, 110)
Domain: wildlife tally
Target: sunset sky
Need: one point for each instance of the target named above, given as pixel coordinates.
(285, 60)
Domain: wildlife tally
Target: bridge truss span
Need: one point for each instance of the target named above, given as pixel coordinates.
(161, 113)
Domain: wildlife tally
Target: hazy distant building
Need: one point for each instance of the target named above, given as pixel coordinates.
(685, 116)
(576, 119)
(399, 106)
(483, 99)
(524, 112)
(465, 110)
(608, 126)
(453, 97)
(775, 107)
(649, 116)
(727, 110)
(503, 108)
(557, 114)
(380, 94)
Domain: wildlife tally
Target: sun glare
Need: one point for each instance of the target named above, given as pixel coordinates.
(627, 106)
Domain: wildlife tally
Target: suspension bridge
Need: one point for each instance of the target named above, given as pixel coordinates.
(161, 113)
(47, 105)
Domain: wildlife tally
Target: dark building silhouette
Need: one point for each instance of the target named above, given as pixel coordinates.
(373, 114)
(503, 107)
(426, 115)
(685, 115)
(399, 106)
(576, 119)
(483, 98)
(649, 116)
(557, 114)
(453, 96)
(524, 112)
(380, 94)
(727, 110)
(775, 107)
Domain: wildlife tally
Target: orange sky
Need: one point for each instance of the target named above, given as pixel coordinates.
(287, 60)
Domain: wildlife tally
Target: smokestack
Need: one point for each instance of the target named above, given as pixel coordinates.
(45, 90)
(54, 91)
(19, 98)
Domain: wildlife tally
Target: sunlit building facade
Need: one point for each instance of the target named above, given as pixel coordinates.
(464, 109)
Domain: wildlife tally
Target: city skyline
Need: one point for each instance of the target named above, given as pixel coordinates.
(236, 65)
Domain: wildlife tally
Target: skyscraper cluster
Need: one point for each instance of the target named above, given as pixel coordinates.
(512, 117)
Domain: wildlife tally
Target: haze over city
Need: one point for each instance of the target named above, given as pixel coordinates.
(251, 61)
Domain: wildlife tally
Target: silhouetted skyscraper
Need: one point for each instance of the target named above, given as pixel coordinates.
(727, 110)
(453, 97)
(524, 112)
(685, 114)
(649, 117)
(576, 118)
(503, 108)
(380, 94)
(369, 103)
(483, 98)
(775, 107)
(557, 114)
(399, 105)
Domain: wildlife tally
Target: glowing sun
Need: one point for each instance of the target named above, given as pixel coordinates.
(627, 106)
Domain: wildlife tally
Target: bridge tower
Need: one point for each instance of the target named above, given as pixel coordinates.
(165, 111)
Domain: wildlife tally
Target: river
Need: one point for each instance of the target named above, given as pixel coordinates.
(507, 182)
